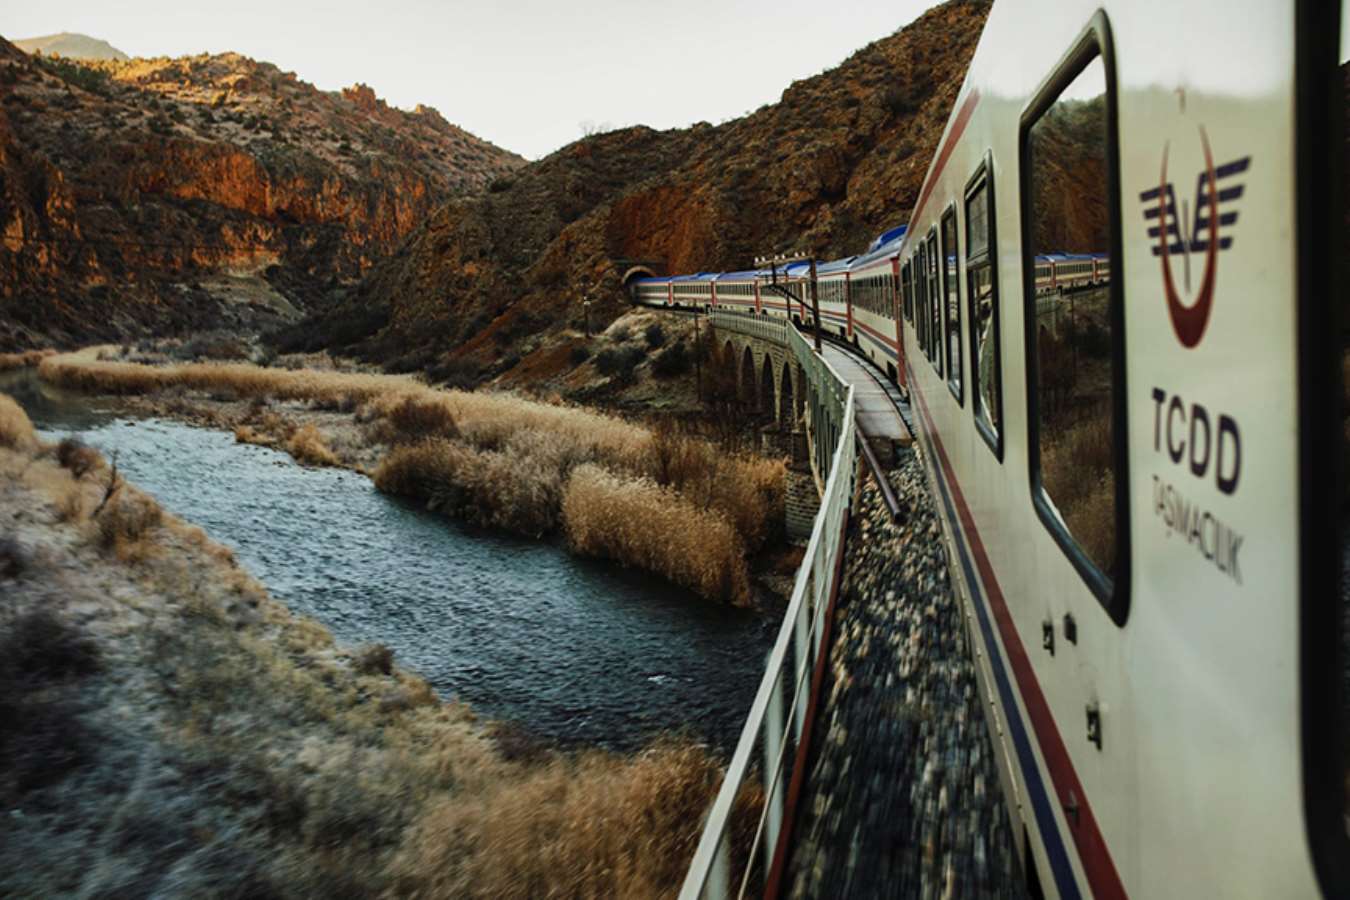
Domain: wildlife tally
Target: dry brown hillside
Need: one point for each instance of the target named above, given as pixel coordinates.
(154, 195)
(838, 159)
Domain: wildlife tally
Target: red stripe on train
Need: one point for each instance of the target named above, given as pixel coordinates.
(1087, 837)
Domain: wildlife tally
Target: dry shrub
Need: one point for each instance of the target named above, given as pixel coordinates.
(415, 418)
(70, 503)
(376, 659)
(77, 457)
(308, 446)
(639, 523)
(594, 826)
(16, 431)
(512, 491)
(748, 490)
(247, 434)
(125, 524)
(24, 360)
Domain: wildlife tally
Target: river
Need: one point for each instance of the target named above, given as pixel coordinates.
(574, 651)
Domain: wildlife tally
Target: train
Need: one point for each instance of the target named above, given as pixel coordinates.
(1116, 308)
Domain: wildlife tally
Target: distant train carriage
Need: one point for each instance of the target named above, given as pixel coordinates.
(874, 280)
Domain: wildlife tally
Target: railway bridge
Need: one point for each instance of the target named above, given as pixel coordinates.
(808, 737)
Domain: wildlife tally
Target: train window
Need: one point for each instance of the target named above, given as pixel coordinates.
(907, 292)
(986, 356)
(934, 303)
(951, 310)
(921, 297)
(1074, 327)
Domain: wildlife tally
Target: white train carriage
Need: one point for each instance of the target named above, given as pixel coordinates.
(738, 291)
(874, 279)
(652, 292)
(1137, 502)
(832, 293)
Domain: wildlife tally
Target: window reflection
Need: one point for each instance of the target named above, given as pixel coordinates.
(982, 297)
(952, 310)
(1074, 380)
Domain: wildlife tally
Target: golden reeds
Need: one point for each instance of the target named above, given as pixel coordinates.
(639, 523)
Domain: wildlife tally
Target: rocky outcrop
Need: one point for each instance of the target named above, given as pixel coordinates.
(129, 190)
(840, 158)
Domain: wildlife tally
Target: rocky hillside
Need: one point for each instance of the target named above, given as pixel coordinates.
(71, 46)
(841, 157)
(158, 195)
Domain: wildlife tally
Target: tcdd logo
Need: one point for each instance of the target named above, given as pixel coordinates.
(1216, 190)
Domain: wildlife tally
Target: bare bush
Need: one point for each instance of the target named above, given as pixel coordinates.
(77, 457)
(376, 659)
(308, 446)
(125, 524)
(639, 523)
(16, 431)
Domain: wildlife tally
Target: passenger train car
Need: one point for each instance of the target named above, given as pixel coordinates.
(1117, 314)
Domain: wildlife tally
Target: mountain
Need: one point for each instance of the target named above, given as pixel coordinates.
(71, 46)
(163, 195)
(838, 159)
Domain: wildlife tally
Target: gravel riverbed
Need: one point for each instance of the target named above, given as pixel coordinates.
(902, 798)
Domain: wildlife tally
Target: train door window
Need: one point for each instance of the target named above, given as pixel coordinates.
(986, 356)
(934, 302)
(1074, 332)
(921, 297)
(951, 310)
(907, 292)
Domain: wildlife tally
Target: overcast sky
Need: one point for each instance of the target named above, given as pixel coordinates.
(528, 75)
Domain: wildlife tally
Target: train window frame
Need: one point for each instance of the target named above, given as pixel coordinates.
(905, 293)
(1113, 593)
(921, 296)
(984, 178)
(935, 301)
(957, 389)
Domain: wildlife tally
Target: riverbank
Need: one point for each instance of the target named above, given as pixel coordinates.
(493, 459)
(176, 730)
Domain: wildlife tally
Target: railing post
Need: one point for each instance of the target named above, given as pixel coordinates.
(774, 736)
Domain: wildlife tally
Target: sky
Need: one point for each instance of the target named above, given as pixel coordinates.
(528, 75)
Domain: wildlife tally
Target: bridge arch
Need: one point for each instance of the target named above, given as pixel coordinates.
(787, 411)
(749, 396)
(766, 388)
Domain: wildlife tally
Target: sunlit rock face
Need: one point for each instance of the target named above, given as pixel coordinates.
(128, 188)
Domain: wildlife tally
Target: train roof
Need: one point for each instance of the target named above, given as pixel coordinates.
(881, 251)
(834, 266)
(652, 279)
(889, 236)
(746, 275)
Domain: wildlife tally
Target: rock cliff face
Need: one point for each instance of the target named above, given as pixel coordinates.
(158, 195)
(840, 158)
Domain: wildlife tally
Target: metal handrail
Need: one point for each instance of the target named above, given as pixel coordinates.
(796, 650)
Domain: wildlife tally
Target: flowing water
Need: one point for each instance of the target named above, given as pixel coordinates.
(574, 651)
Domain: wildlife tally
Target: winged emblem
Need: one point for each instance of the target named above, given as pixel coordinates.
(1195, 230)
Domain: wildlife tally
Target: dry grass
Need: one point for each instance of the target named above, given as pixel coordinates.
(308, 446)
(497, 459)
(176, 697)
(16, 432)
(126, 525)
(748, 490)
(596, 826)
(515, 491)
(27, 359)
(639, 523)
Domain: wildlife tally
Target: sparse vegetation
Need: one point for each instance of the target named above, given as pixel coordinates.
(492, 459)
(639, 523)
(145, 703)
(16, 432)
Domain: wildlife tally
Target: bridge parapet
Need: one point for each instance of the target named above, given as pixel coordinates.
(777, 731)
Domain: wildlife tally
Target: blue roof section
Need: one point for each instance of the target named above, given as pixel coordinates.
(886, 237)
(797, 270)
(834, 266)
(650, 280)
(885, 250)
(747, 275)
